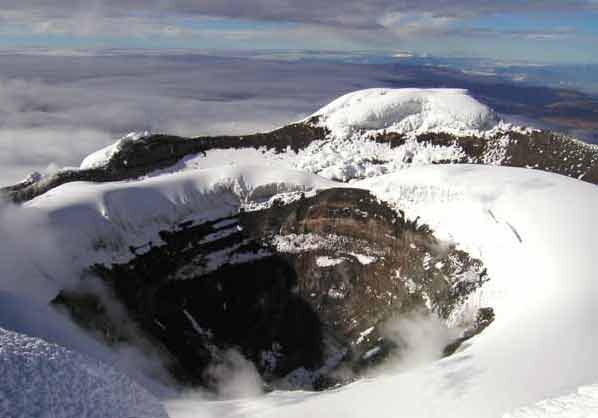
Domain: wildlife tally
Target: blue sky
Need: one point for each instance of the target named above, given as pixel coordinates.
(536, 31)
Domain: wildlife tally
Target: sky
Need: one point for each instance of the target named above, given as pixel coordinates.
(550, 31)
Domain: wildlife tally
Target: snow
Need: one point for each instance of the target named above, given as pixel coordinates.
(583, 403)
(364, 259)
(358, 157)
(196, 326)
(406, 111)
(325, 261)
(364, 334)
(297, 243)
(349, 153)
(40, 379)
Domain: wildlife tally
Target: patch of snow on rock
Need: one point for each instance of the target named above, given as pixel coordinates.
(364, 259)
(328, 261)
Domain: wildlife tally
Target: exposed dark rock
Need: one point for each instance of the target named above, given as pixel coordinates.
(484, 318)
(293, 287)
(542, 150)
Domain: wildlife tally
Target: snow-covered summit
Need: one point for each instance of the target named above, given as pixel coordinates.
(406, 111)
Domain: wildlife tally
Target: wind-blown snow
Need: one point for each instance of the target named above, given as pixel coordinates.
(39, 379)
(406, 111)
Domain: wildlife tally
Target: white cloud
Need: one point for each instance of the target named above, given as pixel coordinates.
(418, 24)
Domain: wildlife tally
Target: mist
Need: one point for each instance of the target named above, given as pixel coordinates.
(420, 337)
(235, 382)
(34, 269)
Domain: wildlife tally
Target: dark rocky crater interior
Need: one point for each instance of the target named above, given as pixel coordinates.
(300, 289)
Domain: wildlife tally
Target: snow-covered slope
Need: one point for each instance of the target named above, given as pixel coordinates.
(540, 254)
(39, 379)
(406, 111)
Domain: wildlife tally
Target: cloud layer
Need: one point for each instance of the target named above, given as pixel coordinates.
(356, 13)
(56, 110)
(369, 23)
